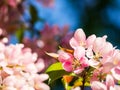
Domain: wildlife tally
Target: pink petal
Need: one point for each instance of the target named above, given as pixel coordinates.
(8, 70)
(31, 68)
(116, 58)
(104, 37)
(2, 47)
(42, 77)
(90, 40)
(109, 81)
(73, 43)
(42, 86)
(9, 81)
(76, 88)
(89, 53)
(117, 87)
(80, 35)
(116, 72)
(98, 44)
(27, 87)
(84, 62)
(107, 67)
(63, 57)
(79, 52)
(96, 85)
(78, 70)
(94, 63)
(113, 88)
(40, 64)
(10, 88)
(12, 3)
(107, 49)
(67, 66)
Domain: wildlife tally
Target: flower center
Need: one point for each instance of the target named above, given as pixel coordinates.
(97, 57)
(76, 64)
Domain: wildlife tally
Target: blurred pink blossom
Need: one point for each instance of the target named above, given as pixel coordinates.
(49, 40)
(48, 3)
(19, 69)
(8, 10)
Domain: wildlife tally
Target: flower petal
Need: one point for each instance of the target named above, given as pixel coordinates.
(63, 57)
(73, 43)
(79, 52)
(109, 81)
(90, 40)
(94, 63)
(116, 72)
(80, 35)
(96, 85)
(67, 66)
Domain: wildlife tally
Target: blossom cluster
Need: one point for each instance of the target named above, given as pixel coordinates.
(8, 10)
(20, 69)
(93, 58)
(48, 43)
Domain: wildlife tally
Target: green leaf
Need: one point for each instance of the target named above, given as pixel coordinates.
(118, 82)
(19, 34)
(55, 71)
(54, 67)
(34, 15)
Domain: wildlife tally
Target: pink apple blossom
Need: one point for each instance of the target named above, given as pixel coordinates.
(92, 51)
(92, 57)
(76, 62)
(108, 85)
(96, 85)
(49, 43)
(79, 39)
(116, 72)
(19, 69)
(66, 59)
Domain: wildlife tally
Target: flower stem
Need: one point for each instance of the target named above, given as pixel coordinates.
(83, 82)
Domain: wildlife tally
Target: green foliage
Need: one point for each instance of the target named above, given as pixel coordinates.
(57, 85)
(19, 34)
(34, 15)
(55, 71)
(118, 82)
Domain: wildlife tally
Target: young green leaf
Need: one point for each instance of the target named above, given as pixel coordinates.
(55, 71)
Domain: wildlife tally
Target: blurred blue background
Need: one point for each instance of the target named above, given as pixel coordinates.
(100, 17)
